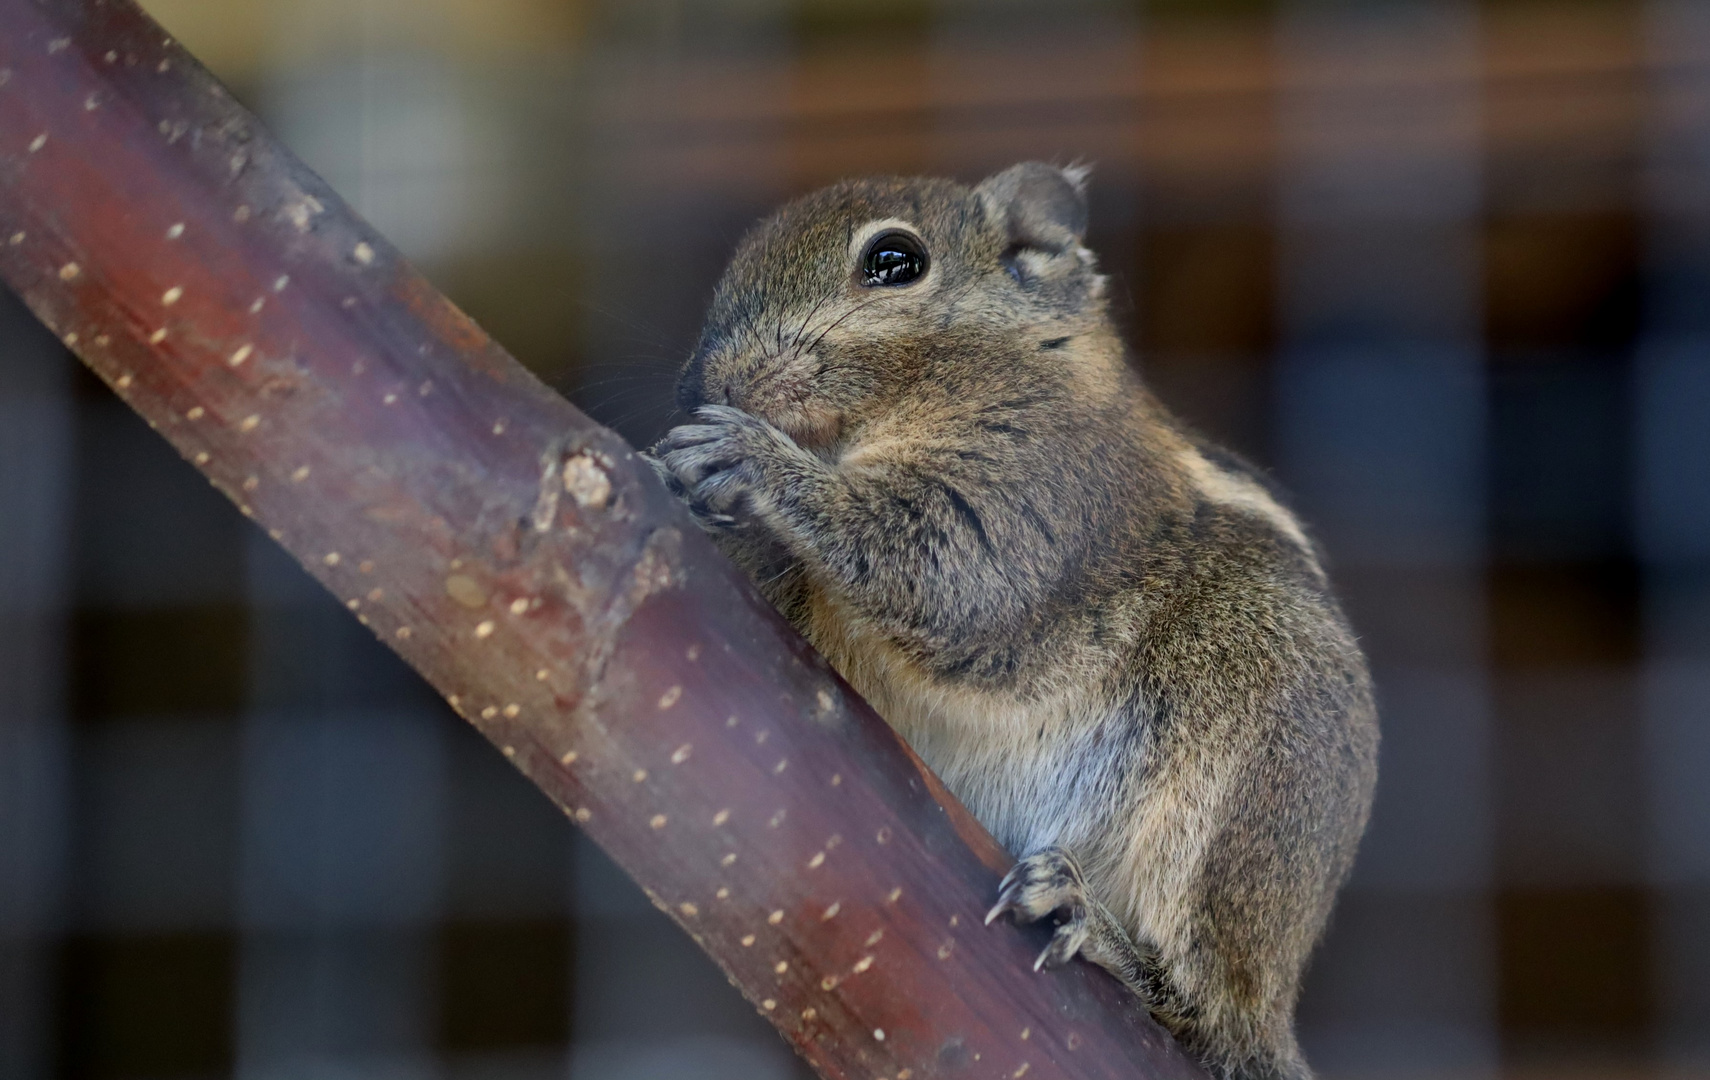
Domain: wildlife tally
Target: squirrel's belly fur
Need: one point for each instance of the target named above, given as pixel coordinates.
(1051, 771)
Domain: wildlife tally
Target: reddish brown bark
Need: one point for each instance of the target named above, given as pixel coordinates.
(523, 560)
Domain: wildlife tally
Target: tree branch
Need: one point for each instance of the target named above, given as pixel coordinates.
(523, 560)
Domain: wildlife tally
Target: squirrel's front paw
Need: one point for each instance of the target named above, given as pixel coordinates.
(1042, 884)
(720, 465)
(704, 516)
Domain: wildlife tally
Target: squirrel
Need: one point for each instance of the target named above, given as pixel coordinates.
(918, 428)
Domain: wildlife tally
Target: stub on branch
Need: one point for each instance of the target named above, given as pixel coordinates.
(525, 562)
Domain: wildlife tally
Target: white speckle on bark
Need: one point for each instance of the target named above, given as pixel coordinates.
(1020, 1072)
(389, 399)
(112, 57)
(810, 1012)
(484, 628)
(874, 938)
(404, 633)
(499, 428)
(569, 758)
(587, 482)
(196, 413)
(760, 737)
(728, 861)
(723, 892)
(817, 861)
(946, 949)
(466, 591)
(768, 1004)
(638, 776)
(780, 967)
(241, 214)
(955, 920)
(58, 45)
(172, 295)
(830, 913)
(783, 763)
(249, 423)
(92, 102)
(17, 238)
(828, 983)
(176, 231)
(583, 814)
(896, 894)
(255, 308)
(512, 710)
(303, 211)
(884, 835)
(353, 603)
(331, 559)
(541, 674)
(69, 271)
(163, 67)
(1026, 1033)
(280, 282)
(508, 751)
(490, 712)
(863, 964)
(657, 821)
(681, 754)
(202, 458)
(157, 337)
(243, 353)
(694, 653)
(689, 910)
(300, 474)
(776, 917)
(71, 339)
(250, 483)
(519, 606)
(669, 697)
(364, 253)
(38, 142)
(730, 721)
(747, 941)
(777, 819)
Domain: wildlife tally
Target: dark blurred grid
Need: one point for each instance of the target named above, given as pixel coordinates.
(1442, 266)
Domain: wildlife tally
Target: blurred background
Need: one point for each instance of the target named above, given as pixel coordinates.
(1442, 266)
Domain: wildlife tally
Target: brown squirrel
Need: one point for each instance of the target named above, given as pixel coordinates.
(917, 427)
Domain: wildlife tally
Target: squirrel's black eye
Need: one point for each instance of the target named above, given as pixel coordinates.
(893, 258)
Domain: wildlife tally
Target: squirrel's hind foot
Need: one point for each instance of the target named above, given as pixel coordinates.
(1050, 882)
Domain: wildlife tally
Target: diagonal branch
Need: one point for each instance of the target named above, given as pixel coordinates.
(524, 562)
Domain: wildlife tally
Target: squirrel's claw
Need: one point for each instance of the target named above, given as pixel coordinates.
(1039, 885)
(1066, 943)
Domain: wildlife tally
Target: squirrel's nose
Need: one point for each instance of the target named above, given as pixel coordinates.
(692, 393)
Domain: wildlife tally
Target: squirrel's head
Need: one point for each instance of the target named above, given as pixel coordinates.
(849, 296)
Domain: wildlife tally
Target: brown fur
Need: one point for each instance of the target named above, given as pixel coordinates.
(1106, 636)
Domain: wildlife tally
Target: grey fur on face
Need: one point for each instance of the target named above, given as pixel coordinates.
(916, 426)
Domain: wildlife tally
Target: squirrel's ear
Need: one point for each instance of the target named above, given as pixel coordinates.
(1041, 205)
